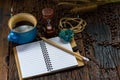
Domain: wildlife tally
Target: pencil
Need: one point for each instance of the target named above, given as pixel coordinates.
(79, 57)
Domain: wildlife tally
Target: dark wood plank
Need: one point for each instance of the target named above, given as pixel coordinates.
(106, 55)
(105, 58)
(1, 15)
(4, 9)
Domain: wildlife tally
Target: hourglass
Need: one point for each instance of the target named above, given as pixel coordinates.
(47, 15)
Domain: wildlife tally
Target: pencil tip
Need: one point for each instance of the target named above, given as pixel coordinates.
(86, 59)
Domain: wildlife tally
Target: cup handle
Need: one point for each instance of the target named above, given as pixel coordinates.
(12, 37)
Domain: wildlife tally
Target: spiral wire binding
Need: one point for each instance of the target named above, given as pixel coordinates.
(46, 56)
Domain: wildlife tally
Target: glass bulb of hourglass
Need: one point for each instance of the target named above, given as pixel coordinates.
(47, 15)
(49, 27)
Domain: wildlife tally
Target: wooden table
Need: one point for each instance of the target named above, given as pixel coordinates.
(100, 41)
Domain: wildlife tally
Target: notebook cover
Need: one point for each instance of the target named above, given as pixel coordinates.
(17, 63)
(73, 44)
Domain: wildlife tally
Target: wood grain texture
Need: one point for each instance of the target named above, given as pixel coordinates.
(105, 59)
(4, 9)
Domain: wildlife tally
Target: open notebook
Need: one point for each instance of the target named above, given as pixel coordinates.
(39, 58)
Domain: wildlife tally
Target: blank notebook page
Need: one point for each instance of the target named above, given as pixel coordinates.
(60, 59)
(31, 59)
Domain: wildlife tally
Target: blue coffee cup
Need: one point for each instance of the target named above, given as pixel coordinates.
(23, 33)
